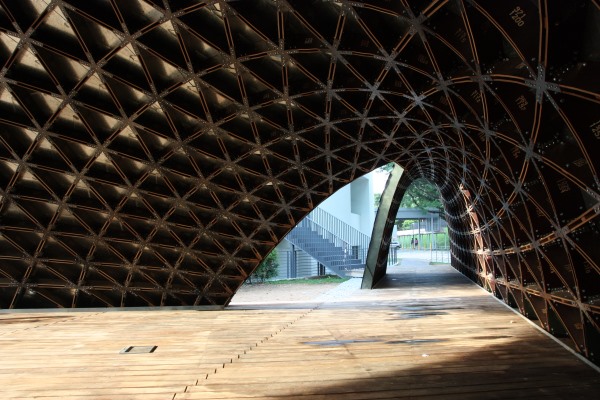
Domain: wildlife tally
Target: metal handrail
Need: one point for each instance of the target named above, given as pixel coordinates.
(331, 241)
(342, 229)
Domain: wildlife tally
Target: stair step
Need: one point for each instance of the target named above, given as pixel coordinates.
(333, 257)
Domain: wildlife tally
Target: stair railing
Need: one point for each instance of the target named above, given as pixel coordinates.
(328, 247)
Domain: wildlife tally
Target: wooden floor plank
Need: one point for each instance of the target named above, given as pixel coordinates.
(428, 334)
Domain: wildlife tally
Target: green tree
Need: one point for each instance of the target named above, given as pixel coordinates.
(406, 224)
(385, 169)
(422, 194)
(267, 268)
(377, 199)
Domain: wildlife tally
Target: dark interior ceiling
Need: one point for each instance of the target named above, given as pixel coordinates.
(153, 151)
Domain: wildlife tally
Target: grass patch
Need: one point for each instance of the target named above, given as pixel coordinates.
(438, 263)
(313, 280)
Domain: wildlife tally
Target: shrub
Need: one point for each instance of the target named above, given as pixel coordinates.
(267, 268)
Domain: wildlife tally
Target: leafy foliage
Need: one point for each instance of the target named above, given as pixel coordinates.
(386, 169)
(267, 268)
(422, 194)
(377, 199)
(406, 224)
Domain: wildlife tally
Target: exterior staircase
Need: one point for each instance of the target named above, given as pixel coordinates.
(333, 243)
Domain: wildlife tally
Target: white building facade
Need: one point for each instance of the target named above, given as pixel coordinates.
(348, 214)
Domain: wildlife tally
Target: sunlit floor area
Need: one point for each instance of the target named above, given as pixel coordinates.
(427, 332)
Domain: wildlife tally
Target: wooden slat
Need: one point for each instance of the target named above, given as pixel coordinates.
(429, 333)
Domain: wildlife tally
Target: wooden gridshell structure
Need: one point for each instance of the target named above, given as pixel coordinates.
(152, 152)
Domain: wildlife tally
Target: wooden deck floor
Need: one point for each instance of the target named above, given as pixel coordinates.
(428, 333)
